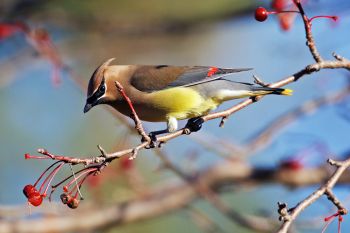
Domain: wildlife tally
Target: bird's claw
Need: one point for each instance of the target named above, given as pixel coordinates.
(152, 139)
(152, 136)
(194, 124)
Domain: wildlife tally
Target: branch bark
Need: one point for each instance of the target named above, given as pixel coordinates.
(290, 215)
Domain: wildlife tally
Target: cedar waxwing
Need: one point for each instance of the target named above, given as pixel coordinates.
(169, 93)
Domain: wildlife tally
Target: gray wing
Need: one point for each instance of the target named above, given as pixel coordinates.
(154, 78)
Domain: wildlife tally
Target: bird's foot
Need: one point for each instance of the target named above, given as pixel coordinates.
(254, 99)
(152, 139)
(194, 124)
(152, 136)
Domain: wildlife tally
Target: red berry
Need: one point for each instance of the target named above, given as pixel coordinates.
(65, 198)
(33, 195)
(7, 30)
(126, 163)
(292, 164)
(286, 22)
(65, 188)
(261, 14)
(28, 190)
(73, 204)
(35, 199)
(279, 5)
(70, 201)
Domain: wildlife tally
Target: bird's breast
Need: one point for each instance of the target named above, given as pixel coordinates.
(179, 102)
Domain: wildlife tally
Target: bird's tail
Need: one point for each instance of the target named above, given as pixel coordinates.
(268, 90)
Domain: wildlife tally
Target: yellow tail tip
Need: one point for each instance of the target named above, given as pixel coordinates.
(287, 92)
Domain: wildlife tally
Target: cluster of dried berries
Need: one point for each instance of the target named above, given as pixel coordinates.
(71, 202)
(71, 190)
(33, 195)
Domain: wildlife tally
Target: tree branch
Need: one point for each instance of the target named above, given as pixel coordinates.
(309, 38)
(288, 216)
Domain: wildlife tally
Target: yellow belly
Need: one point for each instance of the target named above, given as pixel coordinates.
(181, 103)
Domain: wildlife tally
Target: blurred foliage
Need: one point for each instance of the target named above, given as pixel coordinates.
(151, 15)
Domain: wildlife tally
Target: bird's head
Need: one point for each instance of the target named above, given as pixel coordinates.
(100, 87)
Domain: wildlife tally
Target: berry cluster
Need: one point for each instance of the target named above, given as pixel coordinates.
(33, 195)
(71, 189)
(71, 202)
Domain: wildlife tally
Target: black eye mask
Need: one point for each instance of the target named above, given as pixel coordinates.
(100, 92)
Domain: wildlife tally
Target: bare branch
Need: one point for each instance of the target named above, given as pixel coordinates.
(326, 189)
(309, 38)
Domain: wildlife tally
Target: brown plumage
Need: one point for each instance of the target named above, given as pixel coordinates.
(168, 93)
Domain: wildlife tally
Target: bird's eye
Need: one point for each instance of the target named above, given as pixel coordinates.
(102, 88)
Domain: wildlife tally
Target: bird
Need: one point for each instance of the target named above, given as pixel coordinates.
(165, 93)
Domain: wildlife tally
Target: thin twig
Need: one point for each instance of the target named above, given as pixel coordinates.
(309, 37)
(325, 189)
(134, 116)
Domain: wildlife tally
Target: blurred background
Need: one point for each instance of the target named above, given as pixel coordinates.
(42, 95)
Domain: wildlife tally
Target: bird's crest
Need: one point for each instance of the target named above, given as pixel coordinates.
(97, 77)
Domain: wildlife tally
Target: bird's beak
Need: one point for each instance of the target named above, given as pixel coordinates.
(87, 107)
